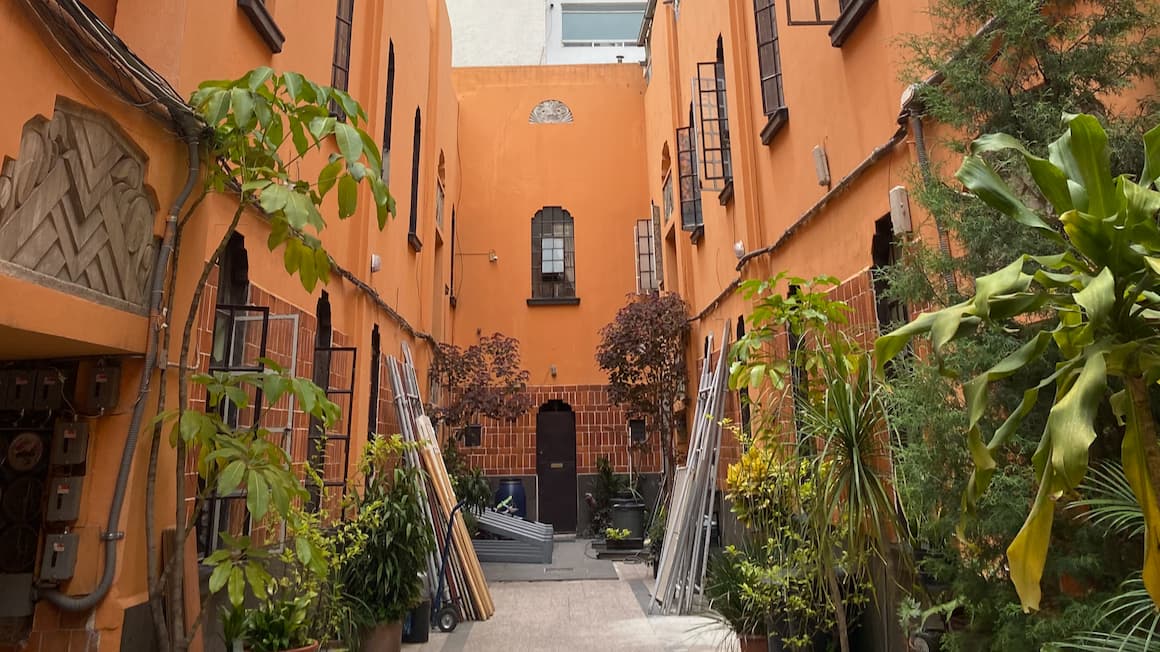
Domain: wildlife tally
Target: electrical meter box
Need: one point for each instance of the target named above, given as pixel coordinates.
(60, 557)
(100, 387)
(49, 389)
(70, 443)
(21, 389)
(64, 499)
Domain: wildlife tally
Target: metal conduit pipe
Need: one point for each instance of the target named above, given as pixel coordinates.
(113, 533)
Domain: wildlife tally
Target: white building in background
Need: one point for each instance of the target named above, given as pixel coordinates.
(539, 32)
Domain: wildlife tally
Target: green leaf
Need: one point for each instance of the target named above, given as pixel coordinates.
(292, 256)
(322, 265)
(1070, 423)
(257, 496)
(274, 198)
(217, 107)
(373, 152)
(1151, 172)
(306, 271)
(231, 477)
(347, 196)
(303, 550)
(349, 142)
(279, 232)
(243, 107)
(258, 77)
(258, 578)
(1051, 180)
(220, 574)
(321, 127)
(1089, 147)
(981, 179)
(1027, 554)
(1099, 297)
(298, 136)
(237, 586)
(293, 82)
(1135, 462)
(888, 346)
(329, 176)
(297, 209)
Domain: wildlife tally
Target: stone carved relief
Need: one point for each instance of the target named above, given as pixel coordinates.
(74, 207)
(550, 112)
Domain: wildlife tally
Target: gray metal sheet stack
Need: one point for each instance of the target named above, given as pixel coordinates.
(524, 542)
(681, 575)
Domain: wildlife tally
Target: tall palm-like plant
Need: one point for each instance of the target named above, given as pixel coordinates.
(841, 426)
(1101, 287)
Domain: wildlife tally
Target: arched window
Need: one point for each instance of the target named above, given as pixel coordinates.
(553, 255)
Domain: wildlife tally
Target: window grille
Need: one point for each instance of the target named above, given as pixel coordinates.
(667, 197)
(716, 166)
(769, 57)
(646, 268)
(340, 64)
(690, 185)
(553, 254)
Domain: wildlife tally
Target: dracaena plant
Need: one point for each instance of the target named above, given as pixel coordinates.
(1097, 299)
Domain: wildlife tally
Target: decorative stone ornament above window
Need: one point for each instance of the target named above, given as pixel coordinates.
(550, 112)
(75, 213)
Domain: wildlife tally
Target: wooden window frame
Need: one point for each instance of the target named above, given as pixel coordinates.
(769, 69)
(689, 186)
(549, 289)
(263, 22)
(340, 61)
(853, 11)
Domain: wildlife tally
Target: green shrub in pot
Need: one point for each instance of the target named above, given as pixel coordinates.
(387, 538)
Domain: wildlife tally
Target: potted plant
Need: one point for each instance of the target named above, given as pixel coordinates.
(278, 624)
(386, 544)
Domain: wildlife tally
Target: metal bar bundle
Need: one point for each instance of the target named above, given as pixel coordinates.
(465, 583)
(685, 552)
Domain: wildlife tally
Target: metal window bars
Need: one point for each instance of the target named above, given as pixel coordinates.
(329, 449)
(553, 254)
(769, 57)
(237, 348)
(689, 184)
(716, 164)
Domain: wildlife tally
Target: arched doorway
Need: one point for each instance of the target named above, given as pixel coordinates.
(556, 465)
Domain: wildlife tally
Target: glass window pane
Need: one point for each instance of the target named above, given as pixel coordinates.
(612, 22)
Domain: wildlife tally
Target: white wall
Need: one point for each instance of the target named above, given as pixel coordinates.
(521, 33)
(558, 54)
(497, 32)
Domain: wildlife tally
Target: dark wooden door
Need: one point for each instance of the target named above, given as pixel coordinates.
(556, 468)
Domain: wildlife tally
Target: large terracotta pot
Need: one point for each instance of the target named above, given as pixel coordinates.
(384, 637)
(754, 643)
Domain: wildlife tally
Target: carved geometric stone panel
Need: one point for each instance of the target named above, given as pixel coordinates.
(75, 212)
(550, 112)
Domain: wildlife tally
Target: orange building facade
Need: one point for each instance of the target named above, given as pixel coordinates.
(543, 197)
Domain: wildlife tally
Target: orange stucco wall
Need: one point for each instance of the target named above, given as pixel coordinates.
(593, 167)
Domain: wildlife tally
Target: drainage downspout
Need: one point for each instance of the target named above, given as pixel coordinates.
(113, 533)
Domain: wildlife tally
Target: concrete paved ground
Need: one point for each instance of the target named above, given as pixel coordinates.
(603, 615)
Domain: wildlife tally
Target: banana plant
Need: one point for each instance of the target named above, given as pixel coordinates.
(1101, 289)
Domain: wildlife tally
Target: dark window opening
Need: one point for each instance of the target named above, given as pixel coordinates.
(473, 435)
(376, 383)
(743, 393)
(637, 433)
(413, 225)
(389, 111)
(553, 254)
(799, 378)
(323, 339)
(340, 64)
(885, 253)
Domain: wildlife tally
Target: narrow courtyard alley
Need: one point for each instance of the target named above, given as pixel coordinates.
(577, 603)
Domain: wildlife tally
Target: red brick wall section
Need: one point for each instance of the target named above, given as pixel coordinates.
(601, 431)
(285, 345)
